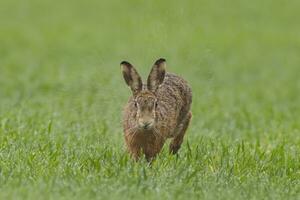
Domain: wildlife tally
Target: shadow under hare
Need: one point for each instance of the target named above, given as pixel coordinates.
(157, 110)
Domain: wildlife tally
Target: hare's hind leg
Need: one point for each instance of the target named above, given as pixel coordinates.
(178, 139)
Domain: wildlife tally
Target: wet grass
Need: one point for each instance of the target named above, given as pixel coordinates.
(62, 93)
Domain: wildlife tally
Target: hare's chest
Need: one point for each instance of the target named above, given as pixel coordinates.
(144, 143)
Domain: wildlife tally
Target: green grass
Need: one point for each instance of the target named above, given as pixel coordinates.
(62, 93)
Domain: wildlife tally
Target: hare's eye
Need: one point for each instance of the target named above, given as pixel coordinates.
(135, 104)
(156, 104)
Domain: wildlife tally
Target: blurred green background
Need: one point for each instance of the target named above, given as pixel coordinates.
(62, 94)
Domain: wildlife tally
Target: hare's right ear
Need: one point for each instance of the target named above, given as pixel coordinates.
(131, 77)
(157, 75)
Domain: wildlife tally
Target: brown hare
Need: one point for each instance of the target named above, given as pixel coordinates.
(156, 111)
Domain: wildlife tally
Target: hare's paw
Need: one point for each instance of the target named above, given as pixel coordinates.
(174, 146)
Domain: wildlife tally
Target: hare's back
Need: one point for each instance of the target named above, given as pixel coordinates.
(175, 90)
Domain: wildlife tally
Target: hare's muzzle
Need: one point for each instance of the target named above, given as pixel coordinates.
(146, 125)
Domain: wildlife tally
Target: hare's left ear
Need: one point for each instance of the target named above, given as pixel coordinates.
(157, 75)
(131, 77)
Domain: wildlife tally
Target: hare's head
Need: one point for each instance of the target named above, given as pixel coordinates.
(144, 95)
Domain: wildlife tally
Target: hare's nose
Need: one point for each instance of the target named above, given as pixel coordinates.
(146, 124)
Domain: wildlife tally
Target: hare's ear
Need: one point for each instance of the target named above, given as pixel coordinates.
(131, 77)
(157, 75)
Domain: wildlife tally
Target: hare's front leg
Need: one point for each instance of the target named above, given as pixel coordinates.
(178, 139)
(153, 147)
(133, 145)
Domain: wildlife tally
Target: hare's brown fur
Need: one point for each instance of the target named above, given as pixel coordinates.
(171, 113)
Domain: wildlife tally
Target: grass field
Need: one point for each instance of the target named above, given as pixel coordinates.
(62, 93)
